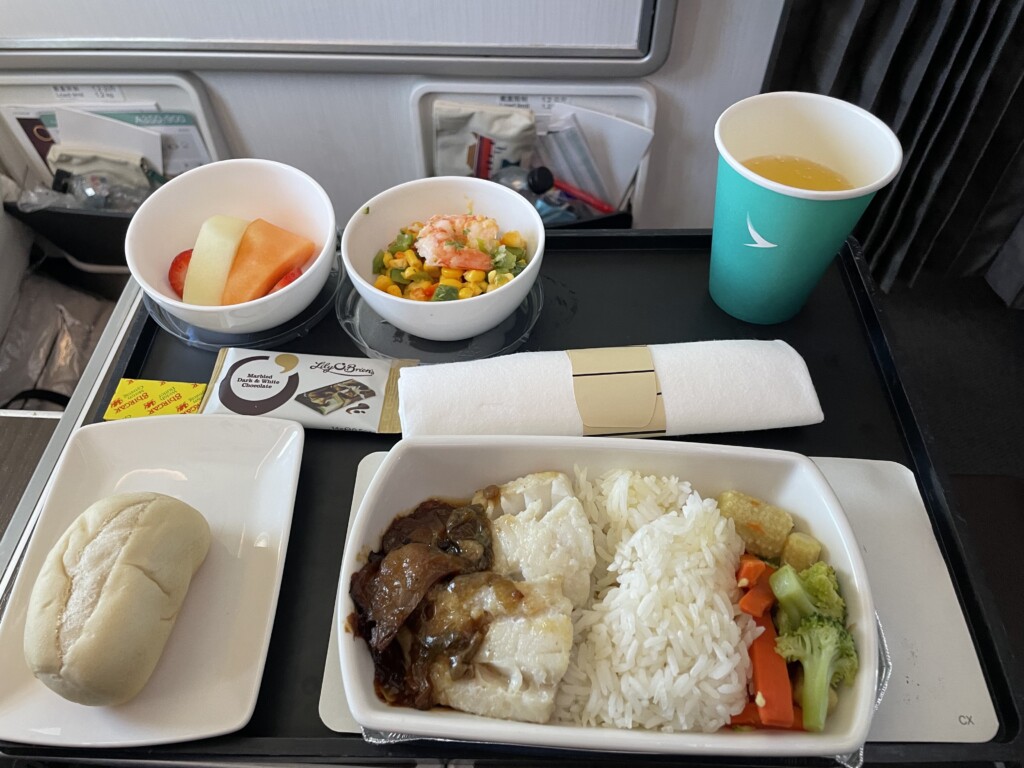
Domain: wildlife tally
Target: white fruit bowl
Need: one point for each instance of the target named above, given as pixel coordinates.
(169, 221)
(377, 222)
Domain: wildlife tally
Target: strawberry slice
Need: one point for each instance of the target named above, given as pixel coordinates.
(176, 274)
(288, 277)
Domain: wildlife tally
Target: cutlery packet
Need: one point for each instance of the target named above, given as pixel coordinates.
(318, 391)
(641, 391)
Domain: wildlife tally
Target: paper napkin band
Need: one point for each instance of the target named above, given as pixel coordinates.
(705, 387)
(617, 391)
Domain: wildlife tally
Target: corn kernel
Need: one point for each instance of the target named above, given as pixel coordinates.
(451, 272)
(388, 257)
(451, 281)
(409, 271)
(475, 276)
(394, 290)
(399, 262)
(417, 290)
(413, 259)
(501, 278)
(433, 270)
(465, 292)
(492, 276)
(383, 282)
(513, 240)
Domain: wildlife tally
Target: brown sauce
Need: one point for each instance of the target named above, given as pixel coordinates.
(414, 598)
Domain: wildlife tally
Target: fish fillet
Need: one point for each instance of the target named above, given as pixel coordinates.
(522, 658)
(541, 531)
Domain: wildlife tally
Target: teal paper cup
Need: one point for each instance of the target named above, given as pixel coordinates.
(771, 243)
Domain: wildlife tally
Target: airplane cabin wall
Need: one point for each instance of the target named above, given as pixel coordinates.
(356, 132)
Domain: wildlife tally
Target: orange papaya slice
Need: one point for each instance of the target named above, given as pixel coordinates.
(266, 253)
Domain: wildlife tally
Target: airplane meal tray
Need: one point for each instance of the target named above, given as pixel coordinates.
(600, 288)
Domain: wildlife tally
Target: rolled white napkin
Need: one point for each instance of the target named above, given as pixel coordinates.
(707, 386)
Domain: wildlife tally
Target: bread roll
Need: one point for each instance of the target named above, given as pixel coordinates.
(108, 593)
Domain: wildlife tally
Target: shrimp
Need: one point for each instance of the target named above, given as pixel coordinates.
(458, 241)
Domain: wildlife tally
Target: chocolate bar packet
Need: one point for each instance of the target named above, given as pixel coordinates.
(318, 391)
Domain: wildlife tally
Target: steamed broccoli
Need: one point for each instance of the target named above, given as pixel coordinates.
(814, 590)
(825, 649)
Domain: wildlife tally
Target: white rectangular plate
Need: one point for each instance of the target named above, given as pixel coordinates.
(241, 472)
(937, 691)
(453, 467)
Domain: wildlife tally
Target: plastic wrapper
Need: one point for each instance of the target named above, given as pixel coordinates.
(52, 334)
(318, 391)
(856, 759)
(41, 199)
(91, 192)
(15, 245)
(563, 148)
(478, 139)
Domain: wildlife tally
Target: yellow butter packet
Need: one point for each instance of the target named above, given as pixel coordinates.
(146, 397)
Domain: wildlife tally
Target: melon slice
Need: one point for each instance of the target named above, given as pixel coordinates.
(212, 256)
(265, 254)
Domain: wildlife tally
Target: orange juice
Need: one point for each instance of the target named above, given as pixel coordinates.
(797, 172)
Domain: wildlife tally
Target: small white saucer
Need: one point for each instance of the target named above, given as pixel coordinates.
(298, 326)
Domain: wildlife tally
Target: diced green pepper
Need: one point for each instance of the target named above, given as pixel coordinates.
(378, 263)
(398, 278)
(419, 275)
(445, 293)
(503, 259)
(401, 243)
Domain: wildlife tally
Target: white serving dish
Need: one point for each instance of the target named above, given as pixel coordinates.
(168, 222)
(377, 222)
(454, 467)
(241, 472)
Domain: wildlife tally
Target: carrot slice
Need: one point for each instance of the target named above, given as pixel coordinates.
(773, 691)
(751, 569)
(265, 254)
(759, 598)
(750, 717)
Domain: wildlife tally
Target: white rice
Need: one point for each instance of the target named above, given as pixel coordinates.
(663, 645)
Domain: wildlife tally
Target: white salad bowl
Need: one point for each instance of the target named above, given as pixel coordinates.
(169, 220)
(376, 224)
(454, 468)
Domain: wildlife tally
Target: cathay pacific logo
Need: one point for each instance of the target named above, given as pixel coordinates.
(759, 242)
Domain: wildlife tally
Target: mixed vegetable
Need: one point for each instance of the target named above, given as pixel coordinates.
(805, 650)
(450, 257)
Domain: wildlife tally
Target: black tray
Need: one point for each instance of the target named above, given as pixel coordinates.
(601, 288)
